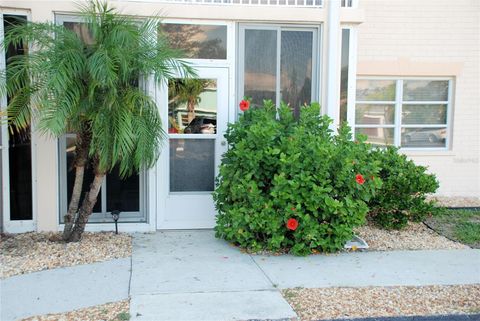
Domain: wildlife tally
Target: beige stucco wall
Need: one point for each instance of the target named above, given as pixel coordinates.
(46, 165)
(432, 38)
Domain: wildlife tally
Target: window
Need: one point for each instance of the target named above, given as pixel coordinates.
(410, 112)
(197, 41)
(17, 142)
(278, 63)
(345, 59)
(349, 3)
(126, 195)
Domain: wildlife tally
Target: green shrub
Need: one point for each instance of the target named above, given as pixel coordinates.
(280, 173)
(402, 197)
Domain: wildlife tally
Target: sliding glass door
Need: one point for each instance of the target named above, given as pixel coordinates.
(16, 157)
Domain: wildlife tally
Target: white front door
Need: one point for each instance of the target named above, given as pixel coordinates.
(195, 116)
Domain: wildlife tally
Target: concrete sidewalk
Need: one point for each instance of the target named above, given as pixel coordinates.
(190, 275)
(64, 289)
(457, 317)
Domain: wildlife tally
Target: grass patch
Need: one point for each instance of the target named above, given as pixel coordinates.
(459, 225)
(123, 316)
(468, 232)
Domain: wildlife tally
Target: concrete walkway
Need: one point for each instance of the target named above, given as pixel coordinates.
(64, 289)
(190, 275)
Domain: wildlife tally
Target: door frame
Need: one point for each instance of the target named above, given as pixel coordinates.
(162, 167)
(8, 225)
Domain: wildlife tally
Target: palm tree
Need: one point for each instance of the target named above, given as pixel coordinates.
(93, 89)
(187, 91)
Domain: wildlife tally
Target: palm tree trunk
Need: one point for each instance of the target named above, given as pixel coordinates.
(87, 207)
(191, 110)
(81, 156)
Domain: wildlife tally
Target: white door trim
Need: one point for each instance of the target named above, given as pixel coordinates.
(165, 221)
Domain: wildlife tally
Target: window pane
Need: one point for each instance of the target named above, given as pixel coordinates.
(425, 90)
(375, 90)
(424, 114)
(87, 177)
(377, 136)
(19, 145)
(424, 137)
(296, 67)
(344, 74)
(192, 106)
(81, 29)
(375, 114)
(192, 165)
(197, 41)
(123, 194)
(260, 65)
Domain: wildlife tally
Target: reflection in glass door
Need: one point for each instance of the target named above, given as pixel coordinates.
(16, 152)
(195, 117)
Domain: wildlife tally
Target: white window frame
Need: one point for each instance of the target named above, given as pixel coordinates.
(316, 56)
(398, 103)
(15, 226)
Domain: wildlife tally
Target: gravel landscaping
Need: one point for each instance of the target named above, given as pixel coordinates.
(115, 311)
(457, 201)
(30, 252)
(414, 237)
(337, 303)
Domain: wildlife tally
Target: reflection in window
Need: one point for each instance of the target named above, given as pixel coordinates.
(375, 90)
(296, 67)
(425, 90)
(424, 114)
(260, 71)
(19, 144)
(424, 137)
(197, 41)
(344, 74)
(377, 136)
(120, 194)
(261, 79)
(422, 120)
(82, 30)
(192, 106)
(374, 114)
(192, 165)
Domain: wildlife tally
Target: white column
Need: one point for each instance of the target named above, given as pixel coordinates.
(332, 91)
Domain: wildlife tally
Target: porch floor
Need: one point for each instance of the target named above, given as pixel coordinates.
(190, 275)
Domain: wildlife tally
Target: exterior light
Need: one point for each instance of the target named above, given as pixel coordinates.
(116, 216)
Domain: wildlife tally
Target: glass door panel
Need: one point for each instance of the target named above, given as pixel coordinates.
(195, 117)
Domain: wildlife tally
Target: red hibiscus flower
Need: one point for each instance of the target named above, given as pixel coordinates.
(359, 178)
(293, 209)
(244, 105)
(292, 224)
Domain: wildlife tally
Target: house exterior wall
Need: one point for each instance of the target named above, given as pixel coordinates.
(395, 38)
(432, 38)
(46, 166)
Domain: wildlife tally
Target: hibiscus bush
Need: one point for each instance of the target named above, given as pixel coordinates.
(292, 185)
(402, 197)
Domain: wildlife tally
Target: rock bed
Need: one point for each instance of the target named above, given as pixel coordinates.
(105, 312)
(30, 252)
(457, 201)
(416, 236)
(337, 303)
